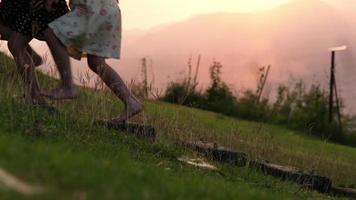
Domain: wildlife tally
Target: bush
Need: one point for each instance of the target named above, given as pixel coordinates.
(248, 108)
(306, 110)
(218, 97)
(296, 107)
(179, 93)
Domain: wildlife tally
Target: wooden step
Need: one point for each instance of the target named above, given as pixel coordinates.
(346, 192)
(313, 182)
(141, 131)
(218, 153)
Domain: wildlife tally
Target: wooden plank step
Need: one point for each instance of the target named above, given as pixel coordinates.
(141, 131)
(313, 182)
(218, 153)
(346, 192)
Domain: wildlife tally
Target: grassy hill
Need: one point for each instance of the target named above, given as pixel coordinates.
(73, 159)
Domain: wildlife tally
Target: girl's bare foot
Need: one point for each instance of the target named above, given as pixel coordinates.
(62, 93)
(133, 108)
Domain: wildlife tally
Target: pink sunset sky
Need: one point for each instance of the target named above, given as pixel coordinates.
(140, 14)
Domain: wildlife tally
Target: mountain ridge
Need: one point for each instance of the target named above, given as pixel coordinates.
(294, 38)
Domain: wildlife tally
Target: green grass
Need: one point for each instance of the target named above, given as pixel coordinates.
(74, 159)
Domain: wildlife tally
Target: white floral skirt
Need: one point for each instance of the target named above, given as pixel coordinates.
(94, 31)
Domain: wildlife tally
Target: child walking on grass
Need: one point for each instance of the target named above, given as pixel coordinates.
(8, 19)
(20, 22)
(92, 27)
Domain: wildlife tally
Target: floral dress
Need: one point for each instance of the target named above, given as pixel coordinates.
(92, 27)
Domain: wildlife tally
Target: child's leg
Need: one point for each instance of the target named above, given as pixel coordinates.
(117, 85)
(36, 59)
(26, 69)
(5, 33)
(67, 90)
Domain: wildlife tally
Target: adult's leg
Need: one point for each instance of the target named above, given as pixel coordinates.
(117, 85)
(26, 69)
(67, 89)
(5, 34)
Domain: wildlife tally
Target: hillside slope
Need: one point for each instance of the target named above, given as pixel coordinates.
(73, 159)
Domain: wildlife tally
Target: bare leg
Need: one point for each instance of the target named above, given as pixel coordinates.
(117, 85)
(67, 89)
(26, 69)
(5, 33)
(37, 60)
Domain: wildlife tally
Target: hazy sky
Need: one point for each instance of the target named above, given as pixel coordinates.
(143, 14)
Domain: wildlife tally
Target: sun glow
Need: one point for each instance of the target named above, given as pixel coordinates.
(140, 14)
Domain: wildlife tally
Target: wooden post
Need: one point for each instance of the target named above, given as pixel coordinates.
(333, 88)
(197, 71)
(262, 84)
(144, 77)
(338, 112)
(332, 83)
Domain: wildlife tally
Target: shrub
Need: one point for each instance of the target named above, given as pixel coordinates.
(218, 97)
(179, 93)
(296, 107)
(305, 109)
(248, 107)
